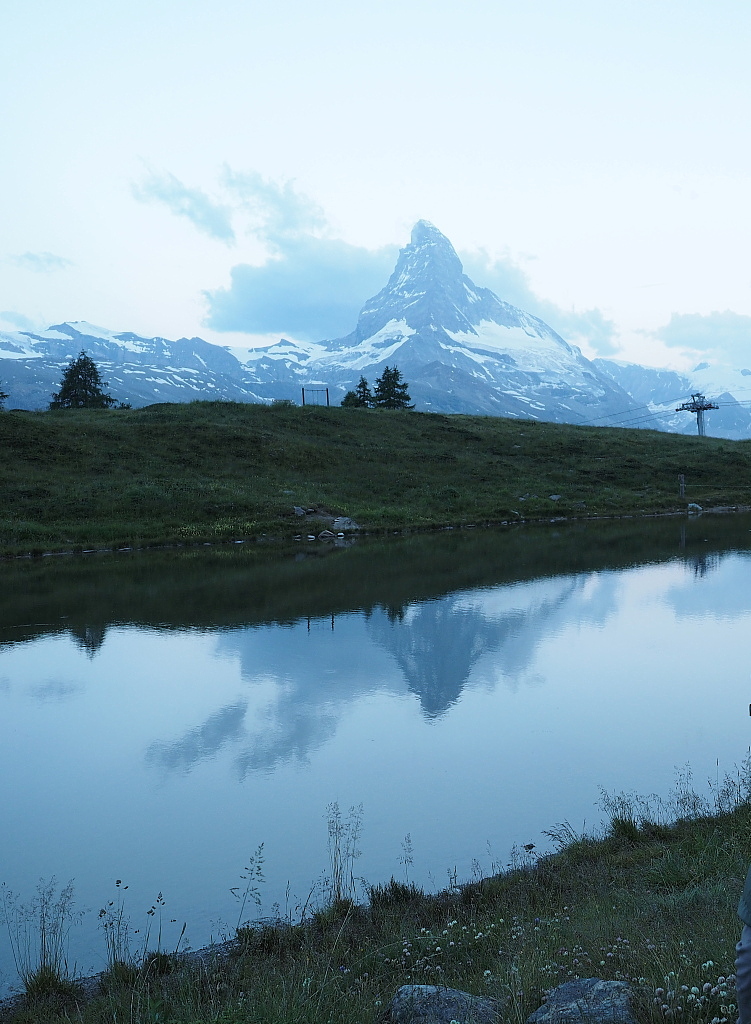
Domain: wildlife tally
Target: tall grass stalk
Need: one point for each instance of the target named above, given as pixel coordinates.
(344, 850)
(38, 933)
(629, 810)
(116, 928)
(407, 857)
(253, 879)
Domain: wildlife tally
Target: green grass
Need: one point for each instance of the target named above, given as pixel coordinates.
(217, 471)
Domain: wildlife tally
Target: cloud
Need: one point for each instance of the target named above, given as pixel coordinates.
(312, 288)
(40, 262)
(511, 283)
(280, 210)
(726, 334)
(16, 321)
(209, 217)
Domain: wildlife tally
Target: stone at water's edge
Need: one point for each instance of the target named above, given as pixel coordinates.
(345, 523)
(429, 1004)
(587, 1001)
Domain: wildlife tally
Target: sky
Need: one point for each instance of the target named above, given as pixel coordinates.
(244, 171)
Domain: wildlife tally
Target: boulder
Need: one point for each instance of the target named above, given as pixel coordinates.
(344, 523)
(586, 1001)
(429, 1004)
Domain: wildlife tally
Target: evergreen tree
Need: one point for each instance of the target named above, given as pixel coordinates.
(81, 387)
(364, 394)
(361, 397)
(3, 396)
(391, 391)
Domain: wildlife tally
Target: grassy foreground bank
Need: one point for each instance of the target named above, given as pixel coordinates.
(649, 903)
(215, 471)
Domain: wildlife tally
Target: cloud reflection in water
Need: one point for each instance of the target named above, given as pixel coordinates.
(202, 743)
(432, 650)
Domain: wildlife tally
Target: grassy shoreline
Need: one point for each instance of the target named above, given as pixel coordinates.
(647, 901)
(209, 472)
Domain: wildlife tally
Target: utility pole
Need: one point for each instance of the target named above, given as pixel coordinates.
(698, 404)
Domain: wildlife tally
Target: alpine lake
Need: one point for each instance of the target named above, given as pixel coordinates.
(456, 696)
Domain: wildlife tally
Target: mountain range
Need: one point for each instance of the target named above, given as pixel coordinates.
(461, 348)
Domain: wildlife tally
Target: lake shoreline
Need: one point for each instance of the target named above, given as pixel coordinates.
(203, 473)
(279, 539)
(512, 936)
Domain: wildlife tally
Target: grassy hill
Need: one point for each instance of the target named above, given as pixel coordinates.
(212, 471)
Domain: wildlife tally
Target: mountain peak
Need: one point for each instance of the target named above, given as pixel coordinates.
(424, 231)
(427, 289)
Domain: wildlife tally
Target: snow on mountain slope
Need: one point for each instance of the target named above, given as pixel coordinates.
(718, 378)
(14, 345)
(660, 392)
(437, 325)
(137, 370)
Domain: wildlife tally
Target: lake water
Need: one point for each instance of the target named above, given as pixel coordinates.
(163, 714)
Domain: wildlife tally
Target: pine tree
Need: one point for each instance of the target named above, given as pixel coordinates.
(3, 396)
(81, 387)
(361, 397)
(391, 391)
(364, 393)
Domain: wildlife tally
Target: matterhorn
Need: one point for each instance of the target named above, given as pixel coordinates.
(463, 349)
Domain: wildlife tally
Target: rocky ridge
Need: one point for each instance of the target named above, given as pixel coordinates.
(461, 348)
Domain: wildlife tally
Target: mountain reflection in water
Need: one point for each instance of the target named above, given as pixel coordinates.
(162, 713)
(432, 650)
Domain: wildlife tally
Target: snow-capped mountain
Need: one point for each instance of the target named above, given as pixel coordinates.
(137, 370)
(463, 349)
(459, 347)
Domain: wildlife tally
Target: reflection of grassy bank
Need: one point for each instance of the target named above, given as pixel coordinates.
(241, 585)
(216, 471)
(648, 902)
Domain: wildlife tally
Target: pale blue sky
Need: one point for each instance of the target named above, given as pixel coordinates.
(588, 160)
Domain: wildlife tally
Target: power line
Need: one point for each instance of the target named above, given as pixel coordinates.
(650, 411)
(645, 419)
